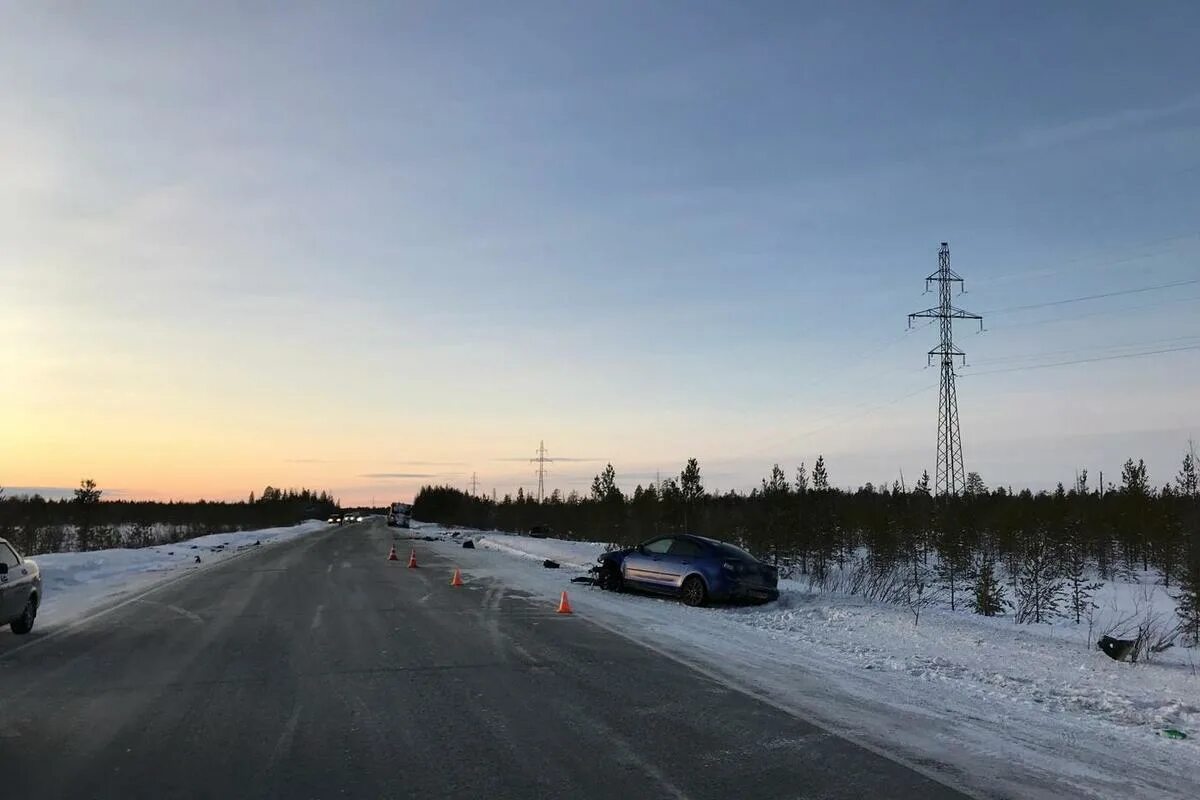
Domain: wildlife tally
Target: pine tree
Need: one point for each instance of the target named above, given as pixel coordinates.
(988, 595)
(691, 489)
(820, 478)
(1080, 589)
(1187, 483)
(975, 485)
(922, 486)
(953, 556)
(604, 487)
(801, 479)
(919, 589)
(1188, 590)
(1039, 590)
(87, 497)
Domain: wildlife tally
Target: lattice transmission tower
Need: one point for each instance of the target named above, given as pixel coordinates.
(541, 461)
(951, 475)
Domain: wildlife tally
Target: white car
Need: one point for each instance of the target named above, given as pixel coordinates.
(20, 590)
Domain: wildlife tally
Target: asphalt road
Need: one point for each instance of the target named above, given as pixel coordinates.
(317, 669)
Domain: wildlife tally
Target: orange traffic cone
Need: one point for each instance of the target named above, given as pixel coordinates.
(564, 605)
(392, 554)
(457, 579)
(412, 560)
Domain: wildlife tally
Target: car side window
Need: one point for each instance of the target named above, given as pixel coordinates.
(8, 556)
(686, 547)
(658, 546)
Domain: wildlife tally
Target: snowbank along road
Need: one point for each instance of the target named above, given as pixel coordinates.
(316, 668)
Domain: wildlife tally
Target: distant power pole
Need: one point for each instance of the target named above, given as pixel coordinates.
(474, 484)
(951, 475)
(541, 461)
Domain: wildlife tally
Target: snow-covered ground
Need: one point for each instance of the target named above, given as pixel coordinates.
(1006, 710)
(75, 583)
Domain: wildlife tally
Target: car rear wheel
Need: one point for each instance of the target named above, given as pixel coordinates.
(24, 623)
(693, 592)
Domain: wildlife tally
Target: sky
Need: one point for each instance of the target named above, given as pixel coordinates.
(366, 247)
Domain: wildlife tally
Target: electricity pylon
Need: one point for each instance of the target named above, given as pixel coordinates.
(541, 461)
(951, 475)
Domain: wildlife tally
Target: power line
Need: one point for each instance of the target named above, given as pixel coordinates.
(1084, 360)
(1101, 312)
(1078, 264)
(1119, 293)
(867, 411)
(1076, 350)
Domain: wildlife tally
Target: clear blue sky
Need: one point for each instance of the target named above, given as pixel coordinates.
(323, 243)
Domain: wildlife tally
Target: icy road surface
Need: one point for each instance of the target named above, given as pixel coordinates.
(315, 668)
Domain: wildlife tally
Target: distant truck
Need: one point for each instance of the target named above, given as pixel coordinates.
(399, 515)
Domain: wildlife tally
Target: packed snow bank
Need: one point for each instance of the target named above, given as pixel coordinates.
(74, 583)
(1003, 709)
(569, 554)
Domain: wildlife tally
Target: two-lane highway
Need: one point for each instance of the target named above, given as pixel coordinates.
(317, 669)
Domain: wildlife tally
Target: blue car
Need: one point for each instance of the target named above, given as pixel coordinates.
(693, 568)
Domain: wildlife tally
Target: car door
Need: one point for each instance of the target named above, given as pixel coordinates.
(646, 564)
(680, 560)
(13, 590)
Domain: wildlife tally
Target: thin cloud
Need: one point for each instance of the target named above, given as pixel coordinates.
(398, 475)
(551, 458)
(1099, 124)
(58, 492)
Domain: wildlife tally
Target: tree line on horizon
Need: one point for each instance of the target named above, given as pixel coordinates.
(86, 521)
(1039, 556)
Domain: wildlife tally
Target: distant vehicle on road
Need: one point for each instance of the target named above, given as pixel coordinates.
(399, 515)
(335, 519)
(693, 568)
(20, 590)
(541, 531)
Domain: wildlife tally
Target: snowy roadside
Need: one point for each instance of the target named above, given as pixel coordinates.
(1001, 709)
(75, 583)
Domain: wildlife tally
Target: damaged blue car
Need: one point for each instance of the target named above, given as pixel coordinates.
(696, 569)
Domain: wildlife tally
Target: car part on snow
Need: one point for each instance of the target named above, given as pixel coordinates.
(468, 545)
(549, 564)
(1116, 649)
(1171, 733)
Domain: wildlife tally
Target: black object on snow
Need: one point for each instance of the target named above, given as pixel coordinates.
(583, 579)
(548, 564)
(468, 545)
(197, 559)
(1116, 649)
